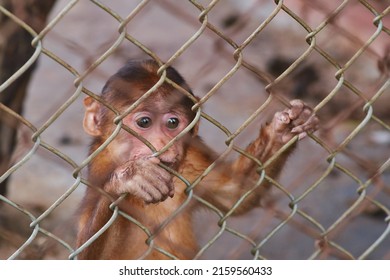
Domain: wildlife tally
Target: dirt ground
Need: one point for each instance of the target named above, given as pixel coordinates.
(87, 31)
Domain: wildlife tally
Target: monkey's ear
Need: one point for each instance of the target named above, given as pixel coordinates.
(195, 129)
(91, 117)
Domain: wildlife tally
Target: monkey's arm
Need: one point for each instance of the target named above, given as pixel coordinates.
(227, 183)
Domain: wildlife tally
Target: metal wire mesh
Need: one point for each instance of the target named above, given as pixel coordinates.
(333, 198)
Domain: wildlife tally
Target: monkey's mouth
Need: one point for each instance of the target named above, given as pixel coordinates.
(170, 164)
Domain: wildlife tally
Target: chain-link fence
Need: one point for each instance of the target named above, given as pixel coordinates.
(245, 60)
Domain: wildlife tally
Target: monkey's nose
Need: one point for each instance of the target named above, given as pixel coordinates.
(159, 145)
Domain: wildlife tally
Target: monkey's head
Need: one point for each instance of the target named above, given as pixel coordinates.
(158, 119)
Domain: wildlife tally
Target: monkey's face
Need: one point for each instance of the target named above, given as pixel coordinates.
(158, 128)
(158, 120)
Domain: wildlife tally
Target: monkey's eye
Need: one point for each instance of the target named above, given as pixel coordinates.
(144, 122)
(172, 123)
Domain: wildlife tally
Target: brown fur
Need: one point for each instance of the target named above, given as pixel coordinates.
(222, 187)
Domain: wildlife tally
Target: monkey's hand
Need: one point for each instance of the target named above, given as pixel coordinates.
(142, 178)
(297, 120)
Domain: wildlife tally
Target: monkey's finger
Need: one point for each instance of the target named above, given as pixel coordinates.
(281, 121)
(158, 187)
(147, 187)
(297, 106)
(151, 194)
(165, 180)
(155, 173)
(153, 159)
(303, 117)
(138, 187)
(172, 192)
(309, 126)
(165, 184)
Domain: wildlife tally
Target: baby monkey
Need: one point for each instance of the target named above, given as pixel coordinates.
(126, 166)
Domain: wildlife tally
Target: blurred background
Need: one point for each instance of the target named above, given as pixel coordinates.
(334, 55)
